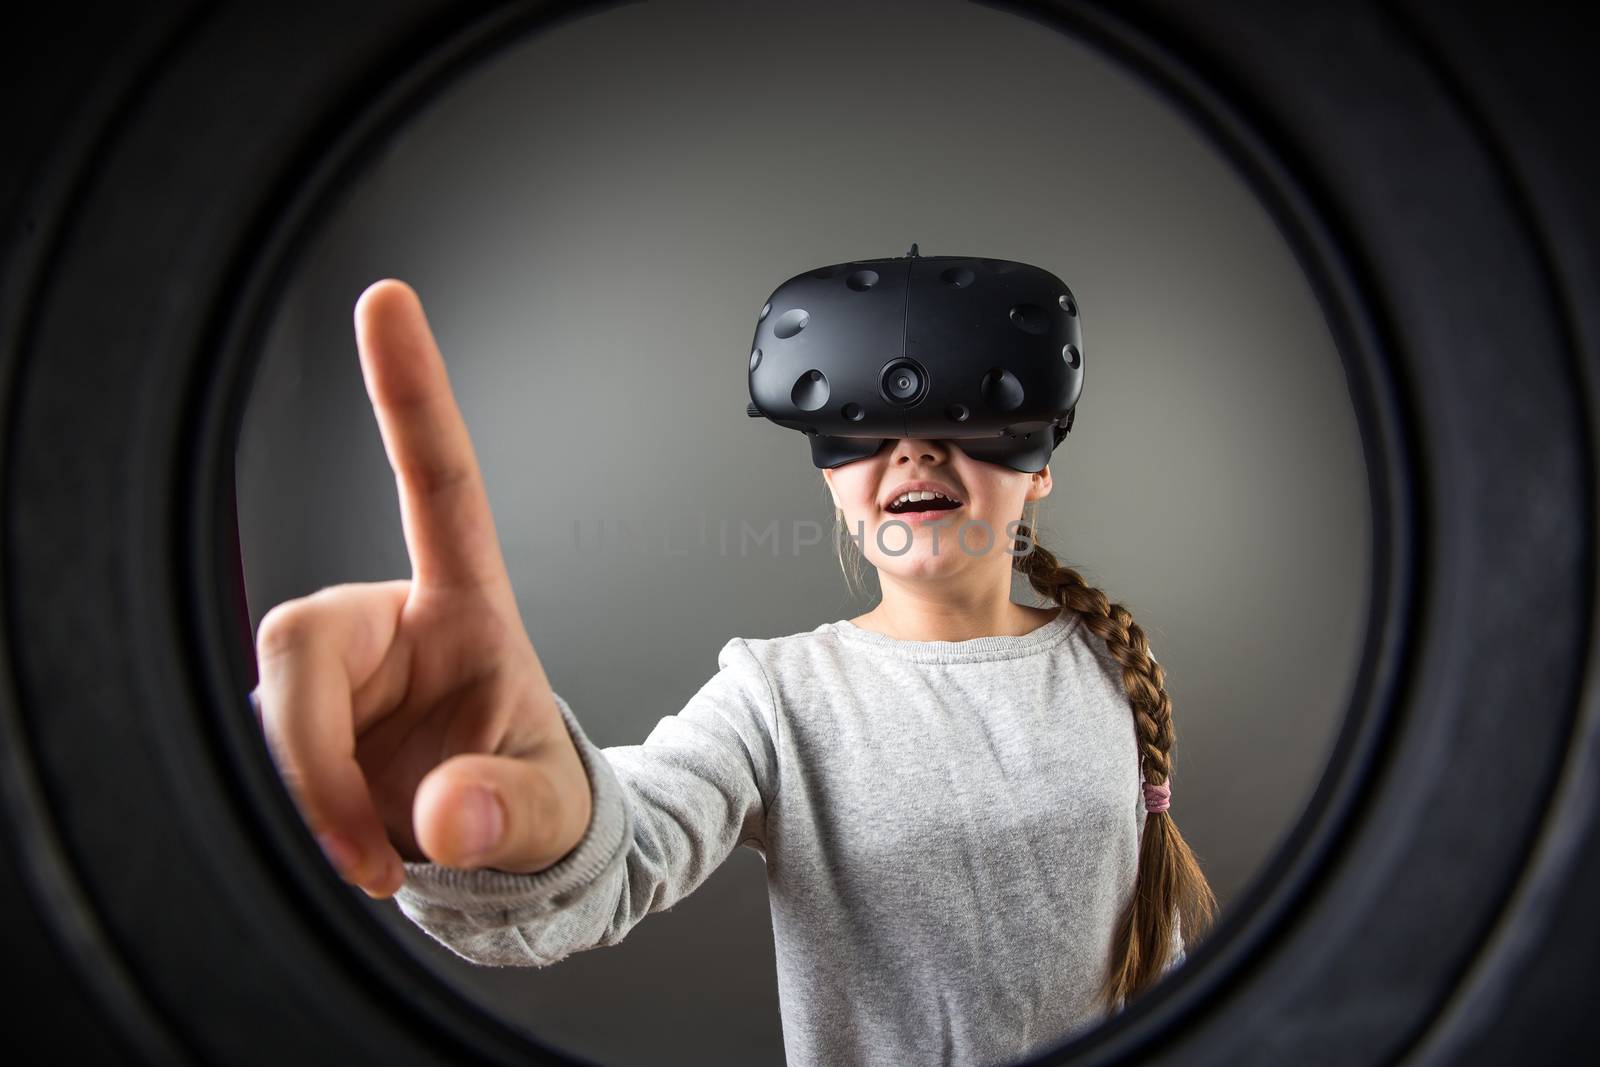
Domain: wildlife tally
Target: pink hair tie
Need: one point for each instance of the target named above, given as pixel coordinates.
(1157, 797)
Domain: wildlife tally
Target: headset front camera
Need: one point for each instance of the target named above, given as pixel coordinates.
(903, 381)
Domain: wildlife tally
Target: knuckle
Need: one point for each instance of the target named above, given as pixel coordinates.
(437, 478)
(286, 627)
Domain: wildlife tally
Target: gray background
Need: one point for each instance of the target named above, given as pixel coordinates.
(593, 220)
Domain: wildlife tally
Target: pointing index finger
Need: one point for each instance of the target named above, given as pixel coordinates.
(444, 506)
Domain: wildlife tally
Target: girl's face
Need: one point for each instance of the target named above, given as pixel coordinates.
(910, 543)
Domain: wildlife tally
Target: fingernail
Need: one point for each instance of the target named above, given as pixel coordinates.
(340, 850)
(485, 823)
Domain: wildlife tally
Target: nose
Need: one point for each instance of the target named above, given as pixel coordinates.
(911, 449)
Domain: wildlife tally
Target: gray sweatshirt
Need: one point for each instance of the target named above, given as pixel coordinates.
(949, 830)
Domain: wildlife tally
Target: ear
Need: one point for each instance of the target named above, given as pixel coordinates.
(827, 477)
(1039, 484)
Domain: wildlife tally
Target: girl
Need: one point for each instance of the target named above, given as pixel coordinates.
(962, 864)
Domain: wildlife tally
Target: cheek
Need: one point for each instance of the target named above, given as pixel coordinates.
(854, 492)
(989, 492)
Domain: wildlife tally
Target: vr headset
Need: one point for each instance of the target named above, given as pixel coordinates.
(987, 353)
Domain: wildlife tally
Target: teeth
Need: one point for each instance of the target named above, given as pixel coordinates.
(924, 494)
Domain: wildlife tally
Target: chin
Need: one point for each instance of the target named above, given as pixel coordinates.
(917, 564)
(920, 560)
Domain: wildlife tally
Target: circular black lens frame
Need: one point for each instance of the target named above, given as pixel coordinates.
(1430, 900)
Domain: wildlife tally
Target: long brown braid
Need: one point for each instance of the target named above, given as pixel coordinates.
(1170, 886)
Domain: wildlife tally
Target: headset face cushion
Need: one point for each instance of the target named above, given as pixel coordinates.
(1026, 455)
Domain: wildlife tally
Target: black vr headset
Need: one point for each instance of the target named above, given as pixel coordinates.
(985, 352)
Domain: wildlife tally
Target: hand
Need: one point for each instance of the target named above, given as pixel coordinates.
(412, 718)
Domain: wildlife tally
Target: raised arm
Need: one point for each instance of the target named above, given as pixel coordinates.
(414, 725)
(412, 719)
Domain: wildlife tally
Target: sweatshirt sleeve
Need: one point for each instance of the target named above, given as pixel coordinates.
(666, 813)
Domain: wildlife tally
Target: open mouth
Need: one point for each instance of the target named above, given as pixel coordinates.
(922, 502)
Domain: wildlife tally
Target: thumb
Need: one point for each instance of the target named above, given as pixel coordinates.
(490, 811)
